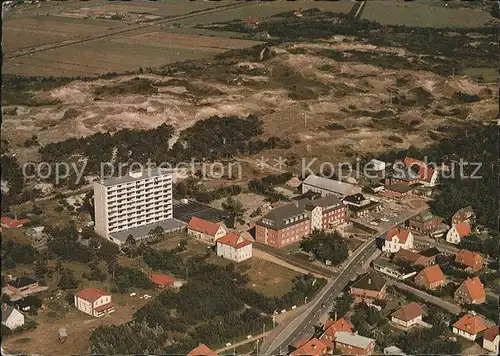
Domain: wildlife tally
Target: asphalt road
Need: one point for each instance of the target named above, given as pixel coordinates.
(304, 325)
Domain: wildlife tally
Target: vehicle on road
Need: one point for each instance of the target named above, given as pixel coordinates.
(384, 219)
(374, 223)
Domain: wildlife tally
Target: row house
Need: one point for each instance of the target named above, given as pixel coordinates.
(471, 291)
(204, 230)
(326, 213)
(425, 223)
(396, 239)
(369, 288)
(284, 225)
(430, 277)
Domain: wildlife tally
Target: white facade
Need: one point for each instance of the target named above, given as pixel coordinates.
(131, 201)
(316, 218)
(89, 307)
(492, 345)
(471, 337)
(14, 320)
(206, 237)
(406, 324)
(453, 237)
(394, 245)
(377, 165)
(233, 253)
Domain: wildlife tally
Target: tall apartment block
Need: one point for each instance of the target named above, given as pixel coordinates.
(133, 205)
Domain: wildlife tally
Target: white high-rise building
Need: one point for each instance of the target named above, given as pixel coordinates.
(133, 204)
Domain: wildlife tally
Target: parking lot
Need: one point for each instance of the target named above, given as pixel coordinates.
(185, 211)
(391, 213)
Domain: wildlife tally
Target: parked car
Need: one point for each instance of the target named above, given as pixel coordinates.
(374, 223)
(384, 219)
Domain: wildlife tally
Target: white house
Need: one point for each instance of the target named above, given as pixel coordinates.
(94, 302)
(396, 239)
(11, 317)
(457, 232)
(469, 326)
(377, 165)
(491, 339)
(408, 315)
(234, 247)
(205, 230)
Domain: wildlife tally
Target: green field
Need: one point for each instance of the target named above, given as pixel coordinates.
(421, 14)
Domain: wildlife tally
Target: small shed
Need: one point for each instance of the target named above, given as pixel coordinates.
(62, 335)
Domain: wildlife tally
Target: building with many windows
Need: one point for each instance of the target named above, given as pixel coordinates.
(134, 204)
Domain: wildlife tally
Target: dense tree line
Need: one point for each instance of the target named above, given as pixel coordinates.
(265, 186)
(421, 341)
(219, 193)
(488, 246)
(326, 246)
(15, 252)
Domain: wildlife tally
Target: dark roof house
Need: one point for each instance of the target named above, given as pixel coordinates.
(22, 282)
(285, 215)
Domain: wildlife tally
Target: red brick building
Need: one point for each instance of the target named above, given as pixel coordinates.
(284, 225)
(472, 261)
(369, 288)
(425, 222)
(326, 213)
(471, 291)
(430, 277)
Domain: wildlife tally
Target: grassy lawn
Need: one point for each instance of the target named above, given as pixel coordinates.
(268, 278)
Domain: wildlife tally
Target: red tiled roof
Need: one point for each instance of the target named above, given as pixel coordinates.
(475, 288)
(433, 274)
(491, 333)
(469, 258)
(104, 307)
(425, 173)
(162, 279)
(12, 223)
(331, 327)
(471, 324)
(407, 255)
(203, 226)
(313, 347)
(408, 312)
(202, 350)
(463, 229)
(252, 19)
(232, 240)
(401, 233)
(91, 294)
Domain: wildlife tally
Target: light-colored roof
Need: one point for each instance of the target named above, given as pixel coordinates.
(143, 231)
(135, 176)
(471, 324)
(353, 339)
(408, 312)
(393, 350)
(335, 186)
(91, 294)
